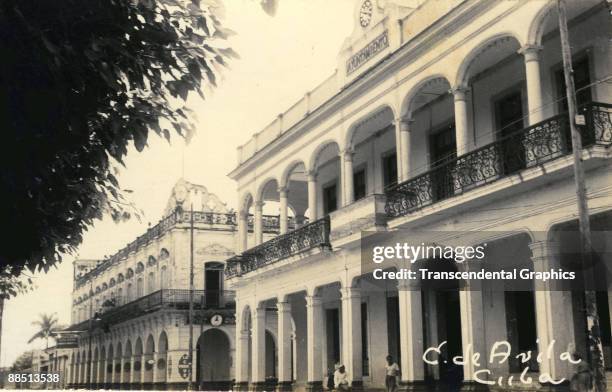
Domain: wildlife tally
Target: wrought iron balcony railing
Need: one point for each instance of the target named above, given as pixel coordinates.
(271, 224)
(165, 298)
(520, 150)
(312, 235)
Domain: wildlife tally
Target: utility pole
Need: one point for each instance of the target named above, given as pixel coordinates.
(190, 385)
(594, 335)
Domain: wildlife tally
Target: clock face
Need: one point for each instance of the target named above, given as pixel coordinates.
(365, 13)
(216, 320)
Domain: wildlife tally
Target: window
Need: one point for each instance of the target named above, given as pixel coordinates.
(582, 79)
(330, 199)
(443, 150)
(139, 288)
(389, 164)
(359, 184)
(163, 278)
(151, 283)
(509, 120)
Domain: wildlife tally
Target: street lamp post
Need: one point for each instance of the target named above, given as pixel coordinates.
(190, 385)
(89, 332)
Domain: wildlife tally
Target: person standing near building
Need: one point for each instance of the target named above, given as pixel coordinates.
(392, 371)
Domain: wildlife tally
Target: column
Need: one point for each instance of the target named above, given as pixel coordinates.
(243, 230)
(258, 348)
(156, 371)
(462, 135)
(402, 131)
(242, 358)
(312, 195)
(130, 379)
(351, 335)
(258, 222)
(472, 326)
(111, 375)
(348, 193)
(553, 309)
(411, 338)
(284, 223)
(531, 53)
(315, 333)
(284, 346)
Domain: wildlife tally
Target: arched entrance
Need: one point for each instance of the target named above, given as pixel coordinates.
(271, 359)
(213, 361)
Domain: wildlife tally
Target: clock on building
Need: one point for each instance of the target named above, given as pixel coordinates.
(365, 13)
(216, 320)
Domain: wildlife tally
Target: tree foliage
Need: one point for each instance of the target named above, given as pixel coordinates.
(79, 82)
(23, 362)
(47, 324)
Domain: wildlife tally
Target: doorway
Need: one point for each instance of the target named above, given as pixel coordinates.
(213, 361)
(509, 122)
(213, 284)
(443, 151)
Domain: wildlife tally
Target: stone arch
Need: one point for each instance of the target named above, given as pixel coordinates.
(127, 359)
(288, 170)
(149, 362)
(164, 254)
(356, 126)
(536, 27)
(162, 357)
(246, 201)
(117, 364)
(137, 370)
(213, 359)
(410, 97)
(314, 156)
(151, 261)
(245, 319)
(264, 188)
(102, 365)
(110, 354)
(497, 41)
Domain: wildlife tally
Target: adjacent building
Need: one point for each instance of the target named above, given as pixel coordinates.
(130, 311)
(446, 117)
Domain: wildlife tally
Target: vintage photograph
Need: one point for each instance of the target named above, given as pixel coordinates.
(306, 195)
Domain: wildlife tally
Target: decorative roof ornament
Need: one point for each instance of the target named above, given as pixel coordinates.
(185, 193)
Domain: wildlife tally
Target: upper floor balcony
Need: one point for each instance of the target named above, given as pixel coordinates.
(116, 310)
(202, 221)
(520, 150)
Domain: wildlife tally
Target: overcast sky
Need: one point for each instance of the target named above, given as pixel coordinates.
(282, 57)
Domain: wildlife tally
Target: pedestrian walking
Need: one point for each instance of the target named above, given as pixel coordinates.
(392, 372)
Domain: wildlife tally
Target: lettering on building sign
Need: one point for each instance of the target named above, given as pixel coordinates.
(375, 46)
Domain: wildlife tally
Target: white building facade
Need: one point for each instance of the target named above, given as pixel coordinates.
(131, 310)
(444, 116)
